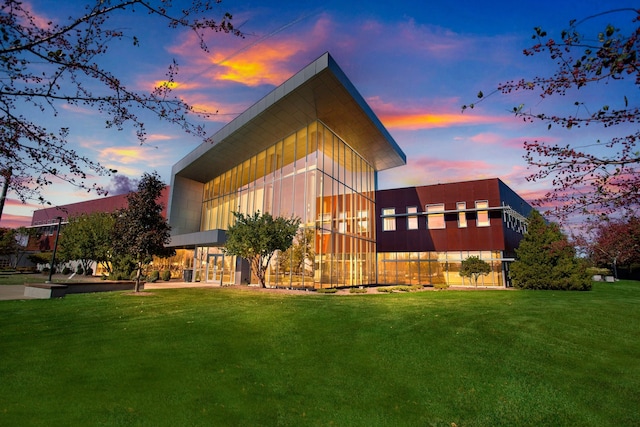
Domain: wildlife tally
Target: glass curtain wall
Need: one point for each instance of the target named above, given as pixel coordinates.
(431, 268)
(314, 175)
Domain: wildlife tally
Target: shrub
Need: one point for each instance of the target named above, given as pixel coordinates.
(387, 289)
(66, 271)
(79, 270)
(166, 275)
(89, 272)
(546, 260)
(441, 286)
(153, 276)
(327, 290)
(358, 290)
(592, 271)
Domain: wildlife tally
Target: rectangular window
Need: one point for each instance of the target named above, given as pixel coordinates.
(363, 224)
(435, 220)
(482, 215)
(462, 216)
(412, 220)
(388, 223)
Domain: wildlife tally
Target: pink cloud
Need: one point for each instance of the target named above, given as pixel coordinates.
(15, 221)
(39, 20)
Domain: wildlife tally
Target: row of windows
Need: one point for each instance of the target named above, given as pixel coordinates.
(423, 268)
(435, 216)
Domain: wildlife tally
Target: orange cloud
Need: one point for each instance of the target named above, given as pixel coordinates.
(416, 121)
(411, 117)
(254, 60)
(264, 64)
(124, 155)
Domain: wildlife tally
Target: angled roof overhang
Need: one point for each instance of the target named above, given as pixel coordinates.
(321, 91)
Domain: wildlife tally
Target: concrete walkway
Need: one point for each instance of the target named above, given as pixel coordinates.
(16, 292)
(11, 292)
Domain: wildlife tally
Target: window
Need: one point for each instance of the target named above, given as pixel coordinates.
(363, 223)
(412, 220)
(388, 223)
(482, 215)
(435, 220)
(462, 216)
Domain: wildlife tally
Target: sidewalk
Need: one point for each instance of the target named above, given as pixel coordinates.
(16, 292)
(12, 292)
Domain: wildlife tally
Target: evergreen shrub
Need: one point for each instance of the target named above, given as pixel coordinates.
(546, 260)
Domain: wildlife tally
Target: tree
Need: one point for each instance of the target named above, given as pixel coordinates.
(615, 243)
(602, 176)
(45, 66)
(546, 260)
(140, 231)
(301, 251)
(473, 267)
(257, 237)
(87, 238)
(14, 242)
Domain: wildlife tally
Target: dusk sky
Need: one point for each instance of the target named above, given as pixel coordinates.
(415, 62)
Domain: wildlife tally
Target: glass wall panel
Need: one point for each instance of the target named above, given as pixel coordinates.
(312, 146)
(336, 213)
(278, 160)
(301, 149)
(288, 155)
(311, 199)
(260, 166)
(243, 171)
(270, 164)
(298, 196)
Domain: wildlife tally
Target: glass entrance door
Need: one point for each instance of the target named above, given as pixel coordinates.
(215, 268)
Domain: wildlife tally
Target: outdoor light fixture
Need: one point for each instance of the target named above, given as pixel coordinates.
(55, 247)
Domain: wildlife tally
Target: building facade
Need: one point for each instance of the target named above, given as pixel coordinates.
(424, 233)
(310, 149)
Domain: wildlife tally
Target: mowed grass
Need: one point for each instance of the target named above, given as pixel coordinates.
(225, 357)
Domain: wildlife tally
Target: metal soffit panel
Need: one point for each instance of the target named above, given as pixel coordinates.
(304, 98)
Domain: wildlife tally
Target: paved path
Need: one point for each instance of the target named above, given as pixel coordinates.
(14, 292)
(8, 292)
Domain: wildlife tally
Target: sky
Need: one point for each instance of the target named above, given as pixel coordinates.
(415, 63)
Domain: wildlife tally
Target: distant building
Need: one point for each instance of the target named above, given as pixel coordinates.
(46, 220)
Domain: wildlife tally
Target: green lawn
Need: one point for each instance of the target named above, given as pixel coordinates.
(223, 357)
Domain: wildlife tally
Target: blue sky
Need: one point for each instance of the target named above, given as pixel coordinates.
(415, 62)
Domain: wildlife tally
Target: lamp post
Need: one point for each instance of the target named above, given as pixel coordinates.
(55, 247)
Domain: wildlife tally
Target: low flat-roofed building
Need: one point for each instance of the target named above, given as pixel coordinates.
(424, 233)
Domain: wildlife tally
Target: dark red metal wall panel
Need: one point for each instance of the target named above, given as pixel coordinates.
(452, 238)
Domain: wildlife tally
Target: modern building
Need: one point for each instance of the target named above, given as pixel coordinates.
(312, 149)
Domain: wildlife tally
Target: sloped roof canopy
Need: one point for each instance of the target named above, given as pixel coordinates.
(321, 91)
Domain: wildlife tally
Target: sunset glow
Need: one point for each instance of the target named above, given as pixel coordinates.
(414, 64)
